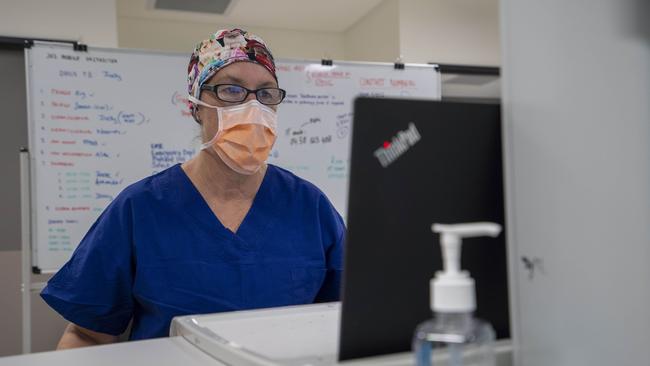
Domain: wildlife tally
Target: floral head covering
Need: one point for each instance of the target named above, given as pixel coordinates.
(223, 48)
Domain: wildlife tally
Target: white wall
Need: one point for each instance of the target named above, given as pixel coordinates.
(90, 21)
(576, 86)
(450, 31)
(182, 36)
(445, 31)
(375, 37)
(421, 31)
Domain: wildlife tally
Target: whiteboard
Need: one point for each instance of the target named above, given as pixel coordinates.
(103, 119)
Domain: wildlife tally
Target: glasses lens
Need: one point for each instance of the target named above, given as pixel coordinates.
(270, 95)
(231, 93)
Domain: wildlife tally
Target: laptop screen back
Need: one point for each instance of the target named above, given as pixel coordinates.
(415, 163)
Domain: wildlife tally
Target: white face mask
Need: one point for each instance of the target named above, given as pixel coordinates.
(245, 136)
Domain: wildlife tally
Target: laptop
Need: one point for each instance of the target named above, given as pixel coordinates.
(414, 163)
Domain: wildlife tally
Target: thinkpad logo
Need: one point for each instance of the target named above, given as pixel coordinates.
(390, 151)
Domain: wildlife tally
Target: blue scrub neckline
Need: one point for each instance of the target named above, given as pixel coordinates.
(261, 204)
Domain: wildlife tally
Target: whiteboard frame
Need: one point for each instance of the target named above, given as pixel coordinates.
(30, 161)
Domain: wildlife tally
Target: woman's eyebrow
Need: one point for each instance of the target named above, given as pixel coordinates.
(266, 84)
(235, 80)
(229, 79)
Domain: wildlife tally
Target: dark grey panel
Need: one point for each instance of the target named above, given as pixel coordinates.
(13, 135)
(10, 321)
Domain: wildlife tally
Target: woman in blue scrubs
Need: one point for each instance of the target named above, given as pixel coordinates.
(224, 231)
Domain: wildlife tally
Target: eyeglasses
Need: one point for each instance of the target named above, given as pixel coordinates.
(233, 93)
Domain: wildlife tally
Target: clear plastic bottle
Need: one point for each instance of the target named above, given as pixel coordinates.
(454, 339)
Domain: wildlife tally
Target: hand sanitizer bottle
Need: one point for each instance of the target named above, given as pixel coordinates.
(454, 337)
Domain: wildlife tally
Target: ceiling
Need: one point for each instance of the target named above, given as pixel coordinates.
(305, 15)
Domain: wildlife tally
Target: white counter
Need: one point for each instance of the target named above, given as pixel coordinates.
(174, 351)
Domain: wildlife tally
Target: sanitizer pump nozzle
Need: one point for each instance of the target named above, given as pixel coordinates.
(452, 290)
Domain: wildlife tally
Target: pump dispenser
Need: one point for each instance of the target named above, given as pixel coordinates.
(454, 337)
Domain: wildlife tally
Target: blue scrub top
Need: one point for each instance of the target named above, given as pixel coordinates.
(158, 251)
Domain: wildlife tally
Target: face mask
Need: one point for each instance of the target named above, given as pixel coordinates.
(245, 136)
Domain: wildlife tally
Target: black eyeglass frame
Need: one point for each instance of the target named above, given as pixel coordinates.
(213, 89)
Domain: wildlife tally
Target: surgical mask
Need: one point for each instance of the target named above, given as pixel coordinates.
(245, 136)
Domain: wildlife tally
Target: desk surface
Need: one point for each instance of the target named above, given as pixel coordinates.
(171, 351)
(175, 351)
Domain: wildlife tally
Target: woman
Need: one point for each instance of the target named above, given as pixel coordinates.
(223, 231)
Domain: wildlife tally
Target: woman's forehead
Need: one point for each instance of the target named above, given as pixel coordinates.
(244, 73)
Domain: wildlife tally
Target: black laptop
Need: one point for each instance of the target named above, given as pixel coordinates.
(415, 163)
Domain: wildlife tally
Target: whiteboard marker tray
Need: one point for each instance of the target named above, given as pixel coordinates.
(294, 335)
